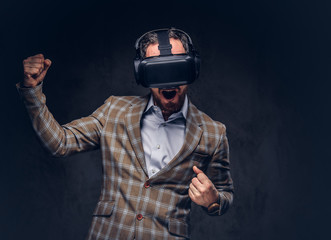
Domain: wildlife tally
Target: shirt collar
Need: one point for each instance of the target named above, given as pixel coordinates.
(183, 110)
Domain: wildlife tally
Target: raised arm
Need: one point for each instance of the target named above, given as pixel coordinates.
(79, 135)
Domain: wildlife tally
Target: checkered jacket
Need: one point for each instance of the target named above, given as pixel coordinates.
(131, 205)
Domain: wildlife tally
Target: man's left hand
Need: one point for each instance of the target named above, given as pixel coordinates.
(202, 191)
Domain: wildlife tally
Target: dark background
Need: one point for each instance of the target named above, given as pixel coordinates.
(265, 74)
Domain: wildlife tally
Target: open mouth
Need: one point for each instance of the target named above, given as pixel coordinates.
(169, 93)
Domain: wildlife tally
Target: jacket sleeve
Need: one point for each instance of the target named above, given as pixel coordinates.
(77, 136)
(219, 173)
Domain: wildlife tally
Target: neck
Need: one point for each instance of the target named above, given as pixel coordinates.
(166, 115)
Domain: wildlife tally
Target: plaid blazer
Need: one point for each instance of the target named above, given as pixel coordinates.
(131, 205)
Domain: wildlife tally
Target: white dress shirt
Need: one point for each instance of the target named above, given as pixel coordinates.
(162, 139)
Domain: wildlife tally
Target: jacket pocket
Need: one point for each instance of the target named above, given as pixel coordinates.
(104, 208)
(201, 160)
(179, 228)
(200, 154)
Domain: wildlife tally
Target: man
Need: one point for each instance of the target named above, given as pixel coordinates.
(159, 153)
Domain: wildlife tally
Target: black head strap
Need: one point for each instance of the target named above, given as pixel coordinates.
(164, 43)
(161, 30)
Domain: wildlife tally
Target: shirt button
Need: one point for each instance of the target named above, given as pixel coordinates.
(139, 217)
(147, 185)
(153, 171)
(158, 146)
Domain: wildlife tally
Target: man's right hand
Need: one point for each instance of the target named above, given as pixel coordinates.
(35, 69)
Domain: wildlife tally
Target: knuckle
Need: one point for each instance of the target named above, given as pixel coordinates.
(200, 176)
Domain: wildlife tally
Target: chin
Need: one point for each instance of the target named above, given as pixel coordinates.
(170, 101)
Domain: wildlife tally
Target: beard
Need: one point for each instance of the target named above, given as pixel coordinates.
(171, 106)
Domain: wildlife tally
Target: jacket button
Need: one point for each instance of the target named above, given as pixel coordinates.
(139, 217)
(147, 185)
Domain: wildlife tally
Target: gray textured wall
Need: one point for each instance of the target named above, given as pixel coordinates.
(264, 74)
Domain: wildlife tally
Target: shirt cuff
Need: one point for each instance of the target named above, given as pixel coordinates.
(32, 96)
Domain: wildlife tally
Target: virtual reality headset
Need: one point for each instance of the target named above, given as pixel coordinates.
(166, 70)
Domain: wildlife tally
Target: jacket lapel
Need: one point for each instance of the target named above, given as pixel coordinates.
(193, 134)
(192, 139)
(132, 124)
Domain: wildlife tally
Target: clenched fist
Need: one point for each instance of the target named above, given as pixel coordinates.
(35, 69)
(202, 191)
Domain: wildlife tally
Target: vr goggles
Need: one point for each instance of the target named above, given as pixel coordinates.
(166, 70)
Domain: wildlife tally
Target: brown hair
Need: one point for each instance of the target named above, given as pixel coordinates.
(151, 38)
